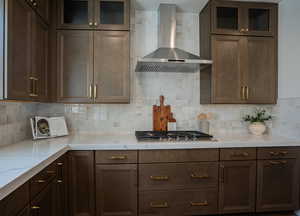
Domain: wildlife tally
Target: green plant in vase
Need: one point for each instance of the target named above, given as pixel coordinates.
(257, 121)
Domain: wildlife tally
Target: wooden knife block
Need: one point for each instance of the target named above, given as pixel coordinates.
(161, 116)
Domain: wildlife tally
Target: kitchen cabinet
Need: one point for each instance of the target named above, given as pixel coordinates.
(27, 48)
(75, 66)
(116, 189)
(19, 50)
(25, 212)
(87, 72)
(277, 185)
(41, 7)
(237, 187)
(62, 186)
(93, 14)
(240, 18)
(229, 33)
(111, 80)
(81, 183)
(44, 203)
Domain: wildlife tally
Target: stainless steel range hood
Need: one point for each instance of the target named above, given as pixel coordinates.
(168, 58)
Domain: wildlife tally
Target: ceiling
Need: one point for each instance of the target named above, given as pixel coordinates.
(192, 6)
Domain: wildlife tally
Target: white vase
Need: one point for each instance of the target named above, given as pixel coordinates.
(257, 128)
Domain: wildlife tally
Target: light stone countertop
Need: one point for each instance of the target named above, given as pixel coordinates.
(21, 161)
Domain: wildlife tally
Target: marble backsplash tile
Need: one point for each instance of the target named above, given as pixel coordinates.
(14, 121)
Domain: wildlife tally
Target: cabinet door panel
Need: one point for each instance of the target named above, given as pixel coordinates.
(81, 183)
(112, 14)
(111, 67)
(116, 190)
(19, 31)
(278, 185)
(75, 66)
(74, 14)
(25, 212)
(237, 186)
(227, 69)
(40, 59)
(261, 72)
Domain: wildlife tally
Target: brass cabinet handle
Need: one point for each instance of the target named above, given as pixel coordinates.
(242, 154)
(205, 203)
(35, 207)
(159, 178)
(96, 24)
(59, 164)
(95, 90)
(278, 153)
(159, 205)
(195, 176)
(33, 87)
(50, 172)
(40, 181)
(91, 92)
(59, 181)
(91, 24)
(242, 30)
(246, 29)
(222, 176)
(243, 93)
(247, 93)
(277, 162)
(34, 4)
(119, 157)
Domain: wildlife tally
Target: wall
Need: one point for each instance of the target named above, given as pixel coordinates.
(14, 121)
(289, 49)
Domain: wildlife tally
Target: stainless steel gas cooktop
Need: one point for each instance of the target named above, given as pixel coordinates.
(172, 136)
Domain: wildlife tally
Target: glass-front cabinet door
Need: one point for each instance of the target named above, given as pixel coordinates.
(260, 20)
(75, 14)
(227, 18)
(112, 14)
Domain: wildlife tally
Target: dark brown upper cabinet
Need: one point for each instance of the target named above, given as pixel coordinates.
(75, 66)
(27, 54)
(94, 14)
(277, 185)
(111, 80)
(240, 18)
(237, 187)
(87, 72)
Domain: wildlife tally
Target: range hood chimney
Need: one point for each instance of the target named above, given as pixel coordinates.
(168, 58)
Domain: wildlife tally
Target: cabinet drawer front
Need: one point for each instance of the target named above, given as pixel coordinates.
(191, 155)
(116, 157)
(185, 202)
(277, 153)
(41, 180)
(168, 176)
(238, 154)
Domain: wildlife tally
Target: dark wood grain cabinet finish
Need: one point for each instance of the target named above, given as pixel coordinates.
(81, 183)
(237, 187)
(44, 204)
(240, 18)
(116, 189)
(111, 80)
(25, 212)
(94, 14)
(233, 33)
(75, 66)
(277, 185)
(42, 7)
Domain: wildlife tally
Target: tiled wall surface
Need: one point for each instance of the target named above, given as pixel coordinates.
(14, 121)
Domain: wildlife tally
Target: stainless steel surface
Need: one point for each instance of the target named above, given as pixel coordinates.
(168, 58)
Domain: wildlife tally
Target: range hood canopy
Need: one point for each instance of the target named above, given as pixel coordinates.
(168, 58)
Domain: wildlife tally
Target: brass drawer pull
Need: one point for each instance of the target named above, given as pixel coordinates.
(40, 181)
(242, 154)
(120, 157)
(195, 176)
(278, 153)
(35, 207)
(159, 178)
(59, 164)
(59, 181)
(159, 205)
(205, 203)
(50, 172)
(278, 162)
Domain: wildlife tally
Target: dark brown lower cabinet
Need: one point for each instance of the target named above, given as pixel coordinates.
(45, 203)
(237, 186)
(25, 212)
(116, 190)
(81, 183)
(277, 185)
